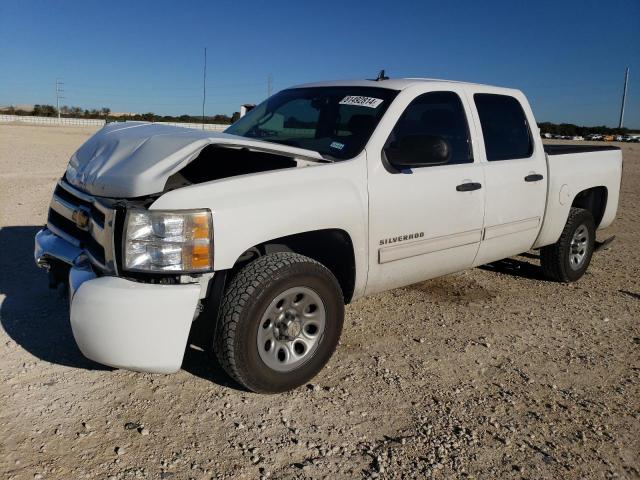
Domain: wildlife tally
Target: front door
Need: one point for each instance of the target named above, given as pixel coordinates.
(427, 221)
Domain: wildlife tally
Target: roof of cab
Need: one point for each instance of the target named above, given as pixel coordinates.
(393, 83)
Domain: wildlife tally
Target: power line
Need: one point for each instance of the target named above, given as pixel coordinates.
(160, 91)
(223, 97)
(119, 88)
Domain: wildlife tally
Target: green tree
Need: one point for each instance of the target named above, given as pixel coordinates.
(44, 111)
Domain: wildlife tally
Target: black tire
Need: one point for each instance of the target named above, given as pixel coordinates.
(246, 299)
(556, 258)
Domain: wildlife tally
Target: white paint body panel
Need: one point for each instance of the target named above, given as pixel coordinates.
(513, 208)
(133, 159)
(569, 175)
(251, 209)
(133, 325)
(424, 200)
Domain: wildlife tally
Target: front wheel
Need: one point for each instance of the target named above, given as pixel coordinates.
(280, 322)
(567, 260)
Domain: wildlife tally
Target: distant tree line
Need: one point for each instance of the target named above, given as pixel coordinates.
(152, 117)
(106, 114)
(571, 130)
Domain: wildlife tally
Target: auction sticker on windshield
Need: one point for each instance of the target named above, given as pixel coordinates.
(370, 102)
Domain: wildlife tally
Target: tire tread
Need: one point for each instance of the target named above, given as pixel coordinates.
(238, 294)
(552, 256)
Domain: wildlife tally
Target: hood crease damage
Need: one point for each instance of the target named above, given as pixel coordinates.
(136, 159)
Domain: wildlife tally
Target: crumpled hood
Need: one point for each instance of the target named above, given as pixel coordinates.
(133, 159)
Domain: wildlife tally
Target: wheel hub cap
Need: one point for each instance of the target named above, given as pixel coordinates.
(579, 247)
(291, 328)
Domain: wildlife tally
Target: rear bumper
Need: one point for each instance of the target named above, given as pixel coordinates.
(122, 323)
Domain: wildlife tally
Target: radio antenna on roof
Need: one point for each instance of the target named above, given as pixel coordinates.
(381, 76)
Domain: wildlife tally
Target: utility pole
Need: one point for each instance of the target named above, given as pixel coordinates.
(204, 85)
(624, 97)
(59, 91)
(269, 85)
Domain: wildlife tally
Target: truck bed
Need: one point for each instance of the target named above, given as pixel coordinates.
(573, 169)
(567, 149)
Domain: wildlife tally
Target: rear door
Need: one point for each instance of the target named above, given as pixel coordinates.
(427, 221)
(515, 171)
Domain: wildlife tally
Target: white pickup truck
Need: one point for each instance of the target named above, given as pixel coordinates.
(322, 194)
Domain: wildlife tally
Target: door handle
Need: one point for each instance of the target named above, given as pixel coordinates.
(468, 187)
(534, 177)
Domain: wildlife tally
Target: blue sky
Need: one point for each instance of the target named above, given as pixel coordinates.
(567, 56)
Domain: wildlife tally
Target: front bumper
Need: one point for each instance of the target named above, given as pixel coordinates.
(122, 323)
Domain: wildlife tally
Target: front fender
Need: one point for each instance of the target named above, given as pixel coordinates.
(252, 209)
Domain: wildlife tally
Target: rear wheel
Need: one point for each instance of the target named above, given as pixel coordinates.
(280, 322)
(567, 260)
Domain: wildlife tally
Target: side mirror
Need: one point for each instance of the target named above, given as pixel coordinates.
(418, 151)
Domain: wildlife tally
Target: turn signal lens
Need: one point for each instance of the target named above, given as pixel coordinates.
(198, 257)
(200, 228)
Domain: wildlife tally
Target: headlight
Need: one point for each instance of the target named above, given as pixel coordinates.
(168, 241)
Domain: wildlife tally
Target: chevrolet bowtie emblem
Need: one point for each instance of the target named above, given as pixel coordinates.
(81, 219)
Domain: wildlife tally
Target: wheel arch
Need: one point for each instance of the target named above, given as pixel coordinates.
(332, 247)
(594, 200)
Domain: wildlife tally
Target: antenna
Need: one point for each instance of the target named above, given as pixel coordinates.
(381, 76)
(204, 85)
(624, 97)
(269, 85)
(59, 90)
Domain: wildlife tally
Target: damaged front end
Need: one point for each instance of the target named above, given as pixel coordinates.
(132, 320)
(79, 231)
(137, 277)
(83, 229)
(126, 167)
(134, 160)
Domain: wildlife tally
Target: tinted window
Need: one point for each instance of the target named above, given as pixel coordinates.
(504, 127)
(439, 114)
(334, 121)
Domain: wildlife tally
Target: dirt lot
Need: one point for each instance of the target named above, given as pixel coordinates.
(490, 373)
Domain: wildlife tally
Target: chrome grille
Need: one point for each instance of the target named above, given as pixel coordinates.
(96, 237)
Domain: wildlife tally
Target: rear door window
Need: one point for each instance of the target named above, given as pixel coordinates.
(504, 127)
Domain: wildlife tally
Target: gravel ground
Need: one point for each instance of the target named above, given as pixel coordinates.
(489, 373)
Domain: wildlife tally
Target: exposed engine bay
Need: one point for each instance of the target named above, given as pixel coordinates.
(217, 161)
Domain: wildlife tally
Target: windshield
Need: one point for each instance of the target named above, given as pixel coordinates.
(334, 121)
